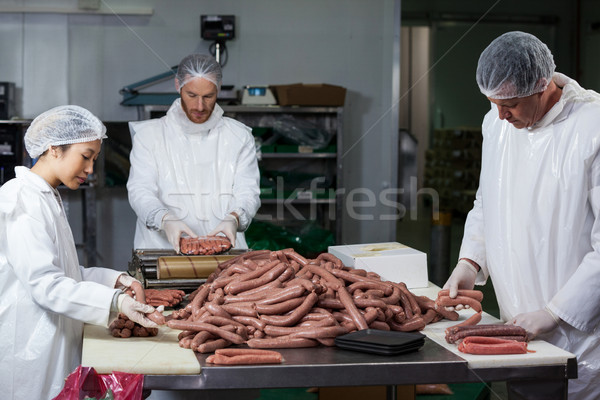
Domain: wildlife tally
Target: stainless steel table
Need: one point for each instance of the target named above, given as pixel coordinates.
(325, 366)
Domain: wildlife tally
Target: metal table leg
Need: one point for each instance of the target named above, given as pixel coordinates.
(391, 392)
(537, 390)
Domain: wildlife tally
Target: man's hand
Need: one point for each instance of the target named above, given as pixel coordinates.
(131, 286)
(125, 281)
(228, 227)
(173, 230)
(536, 322)
(463, 277)
(135, 311)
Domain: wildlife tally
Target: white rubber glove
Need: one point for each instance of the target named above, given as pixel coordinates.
(536, 322)
(463, 277)
(125, 281)
(173, 228)
(130, 286)
(135, 311)
(228, 227)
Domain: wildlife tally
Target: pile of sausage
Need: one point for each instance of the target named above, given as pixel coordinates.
(164, 297)
(279, 299)
(123, 327)
(204, 245)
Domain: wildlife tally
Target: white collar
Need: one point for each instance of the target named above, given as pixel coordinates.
(35, 179)
(177, 116)
(571, 92)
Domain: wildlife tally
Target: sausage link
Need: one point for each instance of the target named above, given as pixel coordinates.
(380, 325)
(474, 294)
(459, 332)
(249, 321)
(493, 348)
(414, 324)
(281, 343)
(211, 345)
(217, 310)
(294, 316)
(246, 310)
(279, 308)
(447, 301)
(472, 320)
(199, 338)
(365, 285)
(200, 326)
(157, 317)
(291, 254)
(330, 258)
(284, 294)
(351, 308)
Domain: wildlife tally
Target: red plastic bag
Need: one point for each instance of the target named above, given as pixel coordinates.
(85, 382)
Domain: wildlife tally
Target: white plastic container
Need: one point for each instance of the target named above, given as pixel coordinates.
(392, 261)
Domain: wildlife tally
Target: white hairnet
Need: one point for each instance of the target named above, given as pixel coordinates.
(199, 66)
(62, 125)
(516, 64)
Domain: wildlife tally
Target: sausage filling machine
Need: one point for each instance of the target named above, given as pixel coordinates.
(162, 268)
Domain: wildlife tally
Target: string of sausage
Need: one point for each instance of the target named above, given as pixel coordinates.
(280, 299)
(512, 332)
(164, 297)
(204, 245)
(492, 345)
(484, 339)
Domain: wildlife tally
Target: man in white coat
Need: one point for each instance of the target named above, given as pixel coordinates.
(535, 225)
(193, 171)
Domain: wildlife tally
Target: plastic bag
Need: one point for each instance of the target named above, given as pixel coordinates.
(86, 383)
(301, 132)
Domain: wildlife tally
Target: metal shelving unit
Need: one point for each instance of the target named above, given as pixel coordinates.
(326, 211)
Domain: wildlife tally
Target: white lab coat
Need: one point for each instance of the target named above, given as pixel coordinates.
(198, 172)
(45, 295)
(535, 225)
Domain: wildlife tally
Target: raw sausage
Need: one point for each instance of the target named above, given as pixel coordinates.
(490, 345)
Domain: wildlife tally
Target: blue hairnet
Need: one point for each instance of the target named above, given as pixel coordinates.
(198, 66)
(516, 64)
(62, 125)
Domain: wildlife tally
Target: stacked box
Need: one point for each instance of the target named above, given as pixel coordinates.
(452, 167)
(392, 261)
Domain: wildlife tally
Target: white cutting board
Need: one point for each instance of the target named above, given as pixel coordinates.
(157, 355)
(545, 353)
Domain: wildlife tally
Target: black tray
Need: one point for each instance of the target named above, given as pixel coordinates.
(381, 342)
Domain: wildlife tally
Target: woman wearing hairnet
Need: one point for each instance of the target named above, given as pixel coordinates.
(45, 295)
(535, 225)
(193, 171)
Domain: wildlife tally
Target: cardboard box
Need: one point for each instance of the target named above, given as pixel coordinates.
(318, 94)
(403, 392)
(393, 261)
